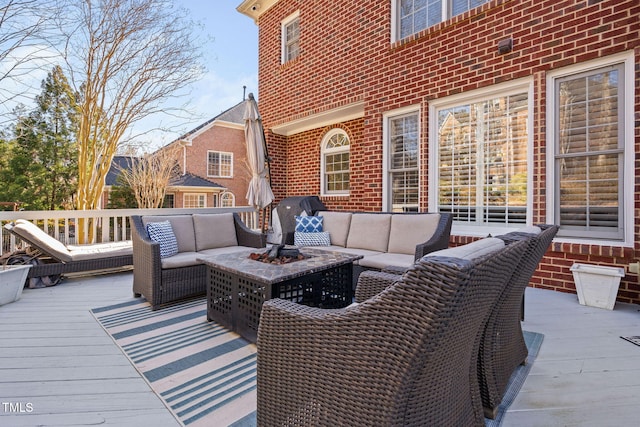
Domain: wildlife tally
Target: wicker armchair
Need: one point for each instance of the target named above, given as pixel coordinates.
(406, 356)
(502, 346)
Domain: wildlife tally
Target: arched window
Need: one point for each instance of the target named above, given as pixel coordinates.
(227, 200)
(334, 163)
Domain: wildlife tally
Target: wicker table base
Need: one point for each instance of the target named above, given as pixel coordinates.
(237, 286)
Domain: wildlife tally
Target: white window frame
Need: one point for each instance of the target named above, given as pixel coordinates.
(628, 179)
(227, 196)
(220, 153)
(504, 89)
(323, 152)
(386, 181)
(446, 7)
(284, 50)
(201, 203)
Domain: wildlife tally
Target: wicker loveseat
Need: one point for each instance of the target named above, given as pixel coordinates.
(162, 280)
(406, 356)
(386, 239)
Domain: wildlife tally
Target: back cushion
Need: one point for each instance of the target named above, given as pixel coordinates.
(182, 226)
(214, 231)
(337, 224)
(472, 250)
(369, 231)
(408, 230)
(35, 234)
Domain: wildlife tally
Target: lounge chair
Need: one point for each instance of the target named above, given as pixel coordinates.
(63, 259)
(406, 356)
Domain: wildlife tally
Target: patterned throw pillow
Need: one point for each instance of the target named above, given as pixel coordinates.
(309, 224)
(162, 232)
(320, 238)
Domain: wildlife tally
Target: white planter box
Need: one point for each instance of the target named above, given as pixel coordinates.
(12, 278)
(597, 286)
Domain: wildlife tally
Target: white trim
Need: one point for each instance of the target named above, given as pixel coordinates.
(336, 115)
(386, 117)
(283, 36)
(502, 89)
(255, 8)
(323, 151)
(199, 195)
(223, 195)
(628, 59)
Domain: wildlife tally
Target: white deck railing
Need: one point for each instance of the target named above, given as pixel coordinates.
(108, 225)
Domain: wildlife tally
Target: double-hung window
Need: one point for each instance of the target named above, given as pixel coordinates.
(481, 146)
(591, 163)
(220, 164)
(335, 154)
(402, 171)
(413, 16)
(290, 37)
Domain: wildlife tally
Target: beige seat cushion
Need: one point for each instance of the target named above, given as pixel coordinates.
(472, 250)
(181, 259)
(381, 261)
(369, 231)
(214, 231)
(182, 226)
(337, 224)
(227, 250)
(409, 230)
(100, 250)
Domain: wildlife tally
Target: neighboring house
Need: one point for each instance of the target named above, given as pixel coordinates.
(502, 112)
(212, 160)
(216, 152)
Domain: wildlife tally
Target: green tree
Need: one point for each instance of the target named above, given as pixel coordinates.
(42, 167)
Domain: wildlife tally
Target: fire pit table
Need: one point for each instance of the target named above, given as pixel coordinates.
(238, 285)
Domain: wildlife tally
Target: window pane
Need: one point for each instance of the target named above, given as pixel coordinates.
(589, 154)
(483, 160)
(403, 163)
(336, 164)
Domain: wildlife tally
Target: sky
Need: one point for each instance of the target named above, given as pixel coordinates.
(231, 60)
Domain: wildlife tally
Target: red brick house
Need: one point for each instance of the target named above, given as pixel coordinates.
(212, 161)
(216, 152)
(502, 112)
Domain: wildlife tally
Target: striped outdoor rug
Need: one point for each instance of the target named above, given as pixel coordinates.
(205, 374)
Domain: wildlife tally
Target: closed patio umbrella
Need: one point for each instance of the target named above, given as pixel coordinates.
(259, 193)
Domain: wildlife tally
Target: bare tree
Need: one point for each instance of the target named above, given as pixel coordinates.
(148, 176)
(126, 57)
(26, 43)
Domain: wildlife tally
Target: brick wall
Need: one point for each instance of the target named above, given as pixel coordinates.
(347, 55)
(225, 139)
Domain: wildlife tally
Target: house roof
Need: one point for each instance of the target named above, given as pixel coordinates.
(233, 115)
(118, 163)
(186, 180)
(190, 180)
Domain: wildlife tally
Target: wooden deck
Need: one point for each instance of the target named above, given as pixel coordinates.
(58, 367)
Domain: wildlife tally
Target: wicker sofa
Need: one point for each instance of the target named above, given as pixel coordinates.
(405, 356)
(162, 280)
(386, 239)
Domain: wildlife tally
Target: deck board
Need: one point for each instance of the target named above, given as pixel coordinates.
(57, 357)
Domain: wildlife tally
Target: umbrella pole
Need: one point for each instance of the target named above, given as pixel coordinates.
(268, 159)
